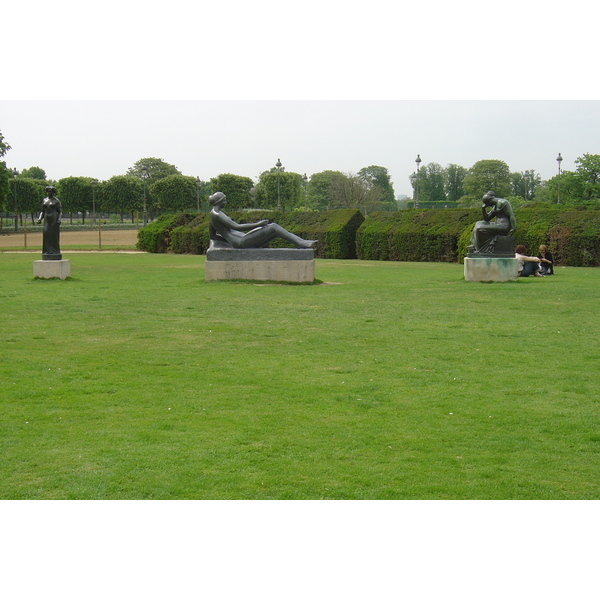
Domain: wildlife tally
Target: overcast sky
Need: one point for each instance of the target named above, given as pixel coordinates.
(205, 138)
(232, 87)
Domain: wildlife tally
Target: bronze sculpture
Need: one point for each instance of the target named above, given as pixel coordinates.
(226, 233)
(494, 237)
(51, 211)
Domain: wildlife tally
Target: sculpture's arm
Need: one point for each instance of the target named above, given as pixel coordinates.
(231, 224)
(40, 217)
(513, 224)
(488, 216)
(249, 226)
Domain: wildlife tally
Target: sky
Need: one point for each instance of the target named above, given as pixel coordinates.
(204, 138)
(231, 87)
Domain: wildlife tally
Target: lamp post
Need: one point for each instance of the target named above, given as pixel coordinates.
(418, 161)
(93, 184)
(15, 173)
(278, 165)
(526, 184)
(305, 180)
(198, 182)
(144, 176)
(558, 160)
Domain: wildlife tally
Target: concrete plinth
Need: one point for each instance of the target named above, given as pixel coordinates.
(491, 269)
(51, 269)
(260, 264)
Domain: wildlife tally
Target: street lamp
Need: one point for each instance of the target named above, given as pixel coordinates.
(278, 165)
(93, 184)
(558, 160)
(305, 180)
(198, 182)
(15, 173)
(144, 176)
(418, 161)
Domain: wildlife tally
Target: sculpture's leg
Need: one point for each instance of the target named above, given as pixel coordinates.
(286, 235)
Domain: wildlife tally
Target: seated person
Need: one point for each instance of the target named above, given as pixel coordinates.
(224, 232)
(528, 265)
(547, 262)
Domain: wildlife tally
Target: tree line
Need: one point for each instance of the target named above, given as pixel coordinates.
(461, 187)
(160, 187)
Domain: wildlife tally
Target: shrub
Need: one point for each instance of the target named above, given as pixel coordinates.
(156, 236)
(413, 235)
(335, 231)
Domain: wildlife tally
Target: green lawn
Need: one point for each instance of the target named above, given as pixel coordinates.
(135, 379)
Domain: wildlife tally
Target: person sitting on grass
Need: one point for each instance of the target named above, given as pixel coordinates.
(224, 232)
(547, 262)
(528, 265)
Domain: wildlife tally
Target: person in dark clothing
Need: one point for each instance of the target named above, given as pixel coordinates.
(546, 261)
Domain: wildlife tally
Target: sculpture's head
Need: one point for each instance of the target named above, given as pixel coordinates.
(50, 190)
(217, 198)
(487, 198)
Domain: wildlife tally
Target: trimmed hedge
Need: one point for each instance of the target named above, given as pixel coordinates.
(334, 230)
(572, 234)
(156, 236)
(414, 235)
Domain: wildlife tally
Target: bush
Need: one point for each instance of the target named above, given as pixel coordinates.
(413, 235)
(572, 234)
(156, 236)
(334, 230)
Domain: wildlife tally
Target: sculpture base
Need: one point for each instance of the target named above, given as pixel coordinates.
(260, 264)
(52, 269)
(491, 269)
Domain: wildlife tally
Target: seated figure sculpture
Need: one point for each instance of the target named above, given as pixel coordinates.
(489, 236)
(226, 233)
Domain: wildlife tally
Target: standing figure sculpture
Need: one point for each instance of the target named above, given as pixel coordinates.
(487, 233)
(226, 233)
(51, 211)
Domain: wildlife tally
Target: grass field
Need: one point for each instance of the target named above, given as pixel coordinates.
(135, 379)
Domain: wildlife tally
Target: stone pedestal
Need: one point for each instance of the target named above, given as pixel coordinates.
(491, 269)
(50, 269)
(260, 264)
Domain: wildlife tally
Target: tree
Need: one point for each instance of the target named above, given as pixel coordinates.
(4, 146)
(121, 193)
(352, 191)
(34, 173)
(319, 189)
(588, 171)
(156, 168)
(571, 188)
(525, 184)
(454, 176)
(379, 176)
(5, 175)
(290, 187)
(431, 183)
(30, 193)
(75, 195)
(237, 188)
(484, 176)
(174, 192)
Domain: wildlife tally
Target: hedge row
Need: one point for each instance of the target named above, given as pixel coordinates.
(572, 234)
(334, 230)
